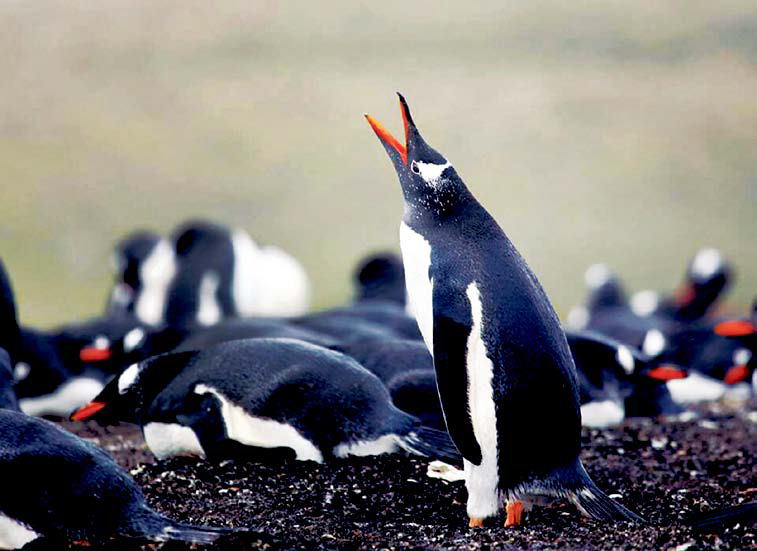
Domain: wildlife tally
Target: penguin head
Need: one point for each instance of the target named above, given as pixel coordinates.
(128, 396)
(428, 180)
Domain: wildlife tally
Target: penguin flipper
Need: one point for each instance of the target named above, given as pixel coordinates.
(452, 326)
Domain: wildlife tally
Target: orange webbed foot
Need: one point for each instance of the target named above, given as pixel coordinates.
(475, 522)
(514, 513)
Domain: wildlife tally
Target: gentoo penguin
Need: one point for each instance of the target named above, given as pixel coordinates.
(616, 381)
(144, 265)
(415, 392)
(380, 276)
(224, 273)
(707, 277)
(505, 375)
(604, 291)
(266, 395)
(387, 358)
(743, 331)
(7, 395)
(60, 488)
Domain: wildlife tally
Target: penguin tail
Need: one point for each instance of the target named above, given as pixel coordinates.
(717, 521)
(432, 443)
(593, 502)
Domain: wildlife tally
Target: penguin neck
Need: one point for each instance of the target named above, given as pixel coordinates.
(431, 209)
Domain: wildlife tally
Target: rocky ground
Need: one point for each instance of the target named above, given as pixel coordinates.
(667, 472)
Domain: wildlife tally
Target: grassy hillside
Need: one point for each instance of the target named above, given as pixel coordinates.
(623, 132)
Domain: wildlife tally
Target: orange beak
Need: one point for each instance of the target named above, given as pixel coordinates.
(666, 373)
(735, 328)
(85, 412)
(387, 139)
(736, 374)
(90, 354)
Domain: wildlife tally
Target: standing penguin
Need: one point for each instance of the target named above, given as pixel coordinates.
(506, 379)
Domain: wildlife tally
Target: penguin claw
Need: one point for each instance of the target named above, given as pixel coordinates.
(475, 522)
(514, 513)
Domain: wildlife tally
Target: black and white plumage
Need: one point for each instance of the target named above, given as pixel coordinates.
(279, 395)
(616, 381)
(61, 488)
(505, 375)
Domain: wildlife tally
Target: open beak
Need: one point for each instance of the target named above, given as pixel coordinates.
(85, 412)
(391, 143)
(736, 374)
(91, 354)
(666, 373)
(735, 328)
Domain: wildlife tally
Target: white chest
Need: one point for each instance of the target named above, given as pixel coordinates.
(416, 258)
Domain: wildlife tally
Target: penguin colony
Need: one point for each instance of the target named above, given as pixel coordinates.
(452, 353)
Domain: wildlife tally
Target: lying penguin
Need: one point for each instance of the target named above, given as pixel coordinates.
(616, 381)
(744, 332)
(60, 488)
(381, 277)
(278, 395)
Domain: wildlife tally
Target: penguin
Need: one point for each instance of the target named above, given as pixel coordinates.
(387, 358)
(617, 381)
(144, 265)
(7, 395)
(10, 332)
(605, 291)
(414, 392)
(58, 487)
(505, 375)
(343, 325)
(743, 331)
(708, 276)
(270, 397)
(380, 276)
(223, 273)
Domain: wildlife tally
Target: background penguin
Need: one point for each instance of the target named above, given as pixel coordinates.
(201, 290)
(506, 378)
(266, 394)
(604, 291)
(61, 488)
(10, 334)
(415, 392)
(381, 276)
(144, 265)
(616, 381)
(743, 331)
(7, 395)
(707, 278)
(387, 358)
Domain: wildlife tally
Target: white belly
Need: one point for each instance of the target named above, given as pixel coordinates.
(416, 258)
(171, 439)
(13, 534)
(481, 480)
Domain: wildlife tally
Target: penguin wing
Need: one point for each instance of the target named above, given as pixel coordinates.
(452, 326)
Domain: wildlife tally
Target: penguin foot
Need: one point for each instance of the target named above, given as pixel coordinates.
(475, 522)
(514, 513)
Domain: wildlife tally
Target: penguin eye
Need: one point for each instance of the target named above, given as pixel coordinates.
(414, 168)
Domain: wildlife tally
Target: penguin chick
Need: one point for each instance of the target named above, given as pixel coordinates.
(269, 394)
(57, 486)
(506, 379)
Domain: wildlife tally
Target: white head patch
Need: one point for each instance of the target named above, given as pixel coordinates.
(431, 172)
(128, 378)
(644, 303)
(742, 356)
(21, 371)
(578, 317)
(654, 342)
(101, 342)
(597, 275)
(706, 263)
(133, 338)
(625, 359)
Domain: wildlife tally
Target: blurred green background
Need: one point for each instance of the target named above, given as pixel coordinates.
(592, 130)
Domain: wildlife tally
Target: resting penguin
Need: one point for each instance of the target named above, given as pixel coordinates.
(279, 395)
(380, 277)
(63, 489)
(505, 375)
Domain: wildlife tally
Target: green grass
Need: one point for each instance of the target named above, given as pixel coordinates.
(623, 132)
